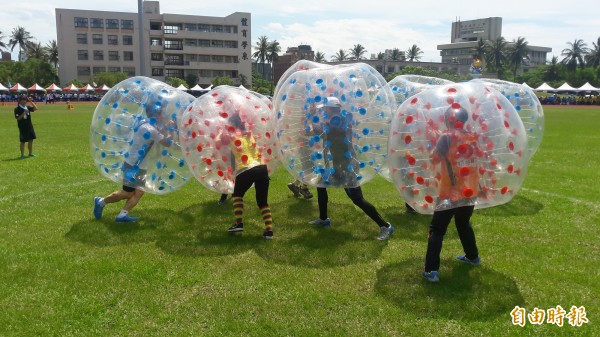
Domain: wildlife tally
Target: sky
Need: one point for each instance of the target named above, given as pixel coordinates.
(330, 25)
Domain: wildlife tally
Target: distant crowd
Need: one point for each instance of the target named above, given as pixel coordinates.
(51, 98)
(570, 100)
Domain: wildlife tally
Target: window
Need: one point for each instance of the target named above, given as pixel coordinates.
(112, 23)
(113, 40)
(233, 74)
(156, 57)
(204, 73)
(203, 28)
(81, 22)
(203, 43)
(216, 43)
(157, 72)
(83, 71)
(114, 69)
(230, 44)
(191, 43)
(126, 24)
(96, 23)
(98, 55)
(217, 29)
(170, 29)
(192, 27)
(218, 73)
(230, 29)
(127, 40)
(98, 70)
(130, 71)
(97, 38)
(82, 55)
(82, 38)
(203, 58)
(216, 58)
(155, 41)
(174, 73)
(231, 59)
(113, 55)
(155, 26)
(173, 45)
(127, 56)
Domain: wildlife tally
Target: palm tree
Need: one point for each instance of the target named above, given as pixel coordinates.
(340, 56)
(273, 50)
(480, 49)
(52, 52)
(397, 55)
(357, 52)
(2, 44)
(320, 57)
(262, 50)
(517, 52)
(551, 73)
(575, 54)
(496, 54)
(19, 37)
(593, 57)
(36, 50)
(414, 53)
(380, 56)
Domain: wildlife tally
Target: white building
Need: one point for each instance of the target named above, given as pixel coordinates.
(175, 45)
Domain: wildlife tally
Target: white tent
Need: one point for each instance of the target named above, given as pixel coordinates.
(565, 87)
(36, 87)
(182, 87)
(196, 88)
(18, 88)
(87, 87)
(3, 88)
(544, 87)
(587, 87)
(70, 87)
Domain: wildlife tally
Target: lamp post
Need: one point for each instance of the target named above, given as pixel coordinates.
(141, 41)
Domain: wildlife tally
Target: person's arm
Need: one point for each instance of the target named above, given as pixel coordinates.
(32, 104)
(19, 115)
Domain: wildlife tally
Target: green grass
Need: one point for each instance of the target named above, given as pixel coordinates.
(177, 273)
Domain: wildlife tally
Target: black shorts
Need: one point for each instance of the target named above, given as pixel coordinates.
(133, 178)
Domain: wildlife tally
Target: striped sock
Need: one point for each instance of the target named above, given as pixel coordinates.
(265, 211)
(238, 209)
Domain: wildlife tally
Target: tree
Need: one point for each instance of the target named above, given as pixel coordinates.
(262, 50)
(109, 78)
(551, 73)
(574, 55)
(517, 53)
(480, 49)
(191, 80)
(175, 82)
(36, 50)
(340, 56)
(320, 57)
(397, 55)
(496, 55)
(19, 37)
(223, 80)
(414, 53)
(380, 56)
(52, 52)
(357, 52)
(592, 59)
(273, 50)
(2, 44)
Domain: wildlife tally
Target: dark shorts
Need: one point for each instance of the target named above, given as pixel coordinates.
(133, 178)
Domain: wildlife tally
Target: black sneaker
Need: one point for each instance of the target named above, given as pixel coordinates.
(237, 227)
(268, 234)
(294, 189)
(305, 192)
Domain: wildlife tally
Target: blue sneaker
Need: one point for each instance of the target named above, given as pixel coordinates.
(385, 232)
(320, 222)
(431, 276)
(475, 262)
(98, 208)
(126, 218)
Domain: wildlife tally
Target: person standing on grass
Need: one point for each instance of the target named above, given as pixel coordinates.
(23, 111)
(338, 146)
(455, 152)
(135, 164)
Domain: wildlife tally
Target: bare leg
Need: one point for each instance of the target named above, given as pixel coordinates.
(30, 147)
(22, 148)
(133, 200)
(118, 196)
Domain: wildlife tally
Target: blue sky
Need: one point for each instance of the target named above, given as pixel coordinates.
(331, 25)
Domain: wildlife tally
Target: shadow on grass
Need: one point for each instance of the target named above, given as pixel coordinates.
(518, 206)
(463, 293)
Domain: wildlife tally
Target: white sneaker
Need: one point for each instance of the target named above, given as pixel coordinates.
(320, 222)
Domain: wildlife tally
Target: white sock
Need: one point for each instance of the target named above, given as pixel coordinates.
(123, 213)
(101, 202)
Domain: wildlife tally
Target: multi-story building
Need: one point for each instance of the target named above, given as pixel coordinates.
(466, 34)
(291, 56)
(174, 45)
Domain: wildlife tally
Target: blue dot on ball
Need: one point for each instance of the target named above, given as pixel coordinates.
(103, 138)
(147, 135)
(366, 131)
(107, 121)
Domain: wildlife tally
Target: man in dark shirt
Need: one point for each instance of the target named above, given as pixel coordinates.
(23, 112)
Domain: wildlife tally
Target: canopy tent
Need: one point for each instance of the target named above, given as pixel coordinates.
(182, 87)
(544, 87)
(53, 87)
(565, 87)
(587, 87)
(18, 88)
(3, 88)
(71, 87)
(104, 87)
(87, 87)
(36, 87)
(197, 88)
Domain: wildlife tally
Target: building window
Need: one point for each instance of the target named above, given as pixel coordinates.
(112, 23)
(230, 29)
(82, 38)
(98, 70)
(97, 38)
(127, 40)
(114, 69)
(173, 45)
(230, 44)
(157, 72)
(203, 28)
(113, 55)
(96, 23)
(113, 40)
(231, 59)
(130, 71)
(173, 73)
(155, 26)
(127, 56)
(82, 55)
(126, 24)
(217, 58)
(217, 29)
(81, 22)
(171, 29)
(155, 41)
(216, 43)
(173, 60)
(218, 73)
(191, 27)
(98, 55)
(156, 57)
(83, 71)
(191, 43)
(233, 74)
(203, 58)
(203, 43)
(204, 73)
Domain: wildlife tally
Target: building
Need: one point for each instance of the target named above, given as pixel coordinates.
(466, 34)
(291, 56)
(174, 45)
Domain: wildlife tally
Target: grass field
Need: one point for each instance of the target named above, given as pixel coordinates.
(178, 273)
